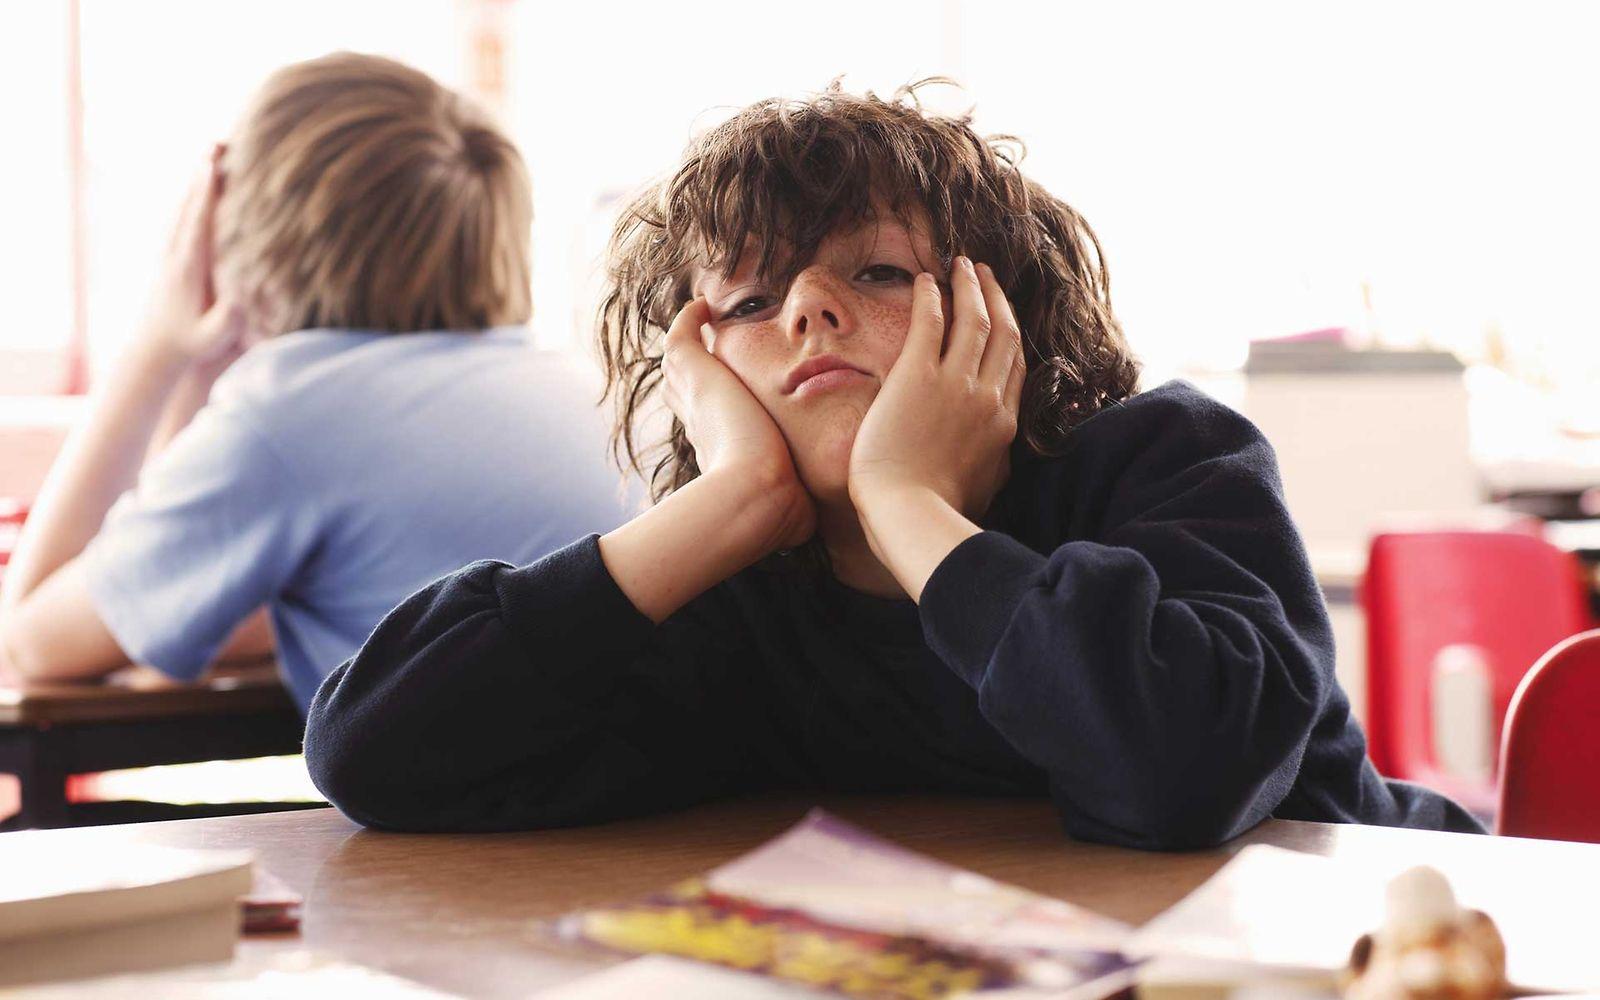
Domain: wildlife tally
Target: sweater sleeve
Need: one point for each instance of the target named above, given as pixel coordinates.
(505, 698)
(1167, 669)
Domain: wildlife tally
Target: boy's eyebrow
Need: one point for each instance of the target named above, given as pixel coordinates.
(710, 277)
(880, 235)
(701, 275)
(712, 274)
(711, 271)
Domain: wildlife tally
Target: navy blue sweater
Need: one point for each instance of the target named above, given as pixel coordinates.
(1137, 635)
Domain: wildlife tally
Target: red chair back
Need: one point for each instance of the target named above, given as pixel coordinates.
(1509, 593)
(1550, 754)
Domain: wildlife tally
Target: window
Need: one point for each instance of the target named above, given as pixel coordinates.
(36, 267)
(163, 81)
(1421, 171)
(599, 112)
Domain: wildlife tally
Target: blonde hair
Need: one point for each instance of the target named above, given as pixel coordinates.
(362, 194)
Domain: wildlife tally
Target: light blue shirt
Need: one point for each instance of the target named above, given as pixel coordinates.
(332, 474)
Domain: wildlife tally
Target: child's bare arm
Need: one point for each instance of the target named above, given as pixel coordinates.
(933, 449)
(48, 627)
(747, 502)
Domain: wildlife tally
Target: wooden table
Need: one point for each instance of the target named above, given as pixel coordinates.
(458, 913)
(50, 732)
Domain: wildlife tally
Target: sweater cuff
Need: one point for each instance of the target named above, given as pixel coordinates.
(968, 602)
(571, 593)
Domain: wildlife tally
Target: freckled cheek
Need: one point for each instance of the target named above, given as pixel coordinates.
(757, 362)
(883, 332)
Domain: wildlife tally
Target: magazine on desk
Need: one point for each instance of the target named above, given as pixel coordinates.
(829, 906)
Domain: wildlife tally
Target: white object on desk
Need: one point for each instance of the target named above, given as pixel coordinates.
(1286, 910)
(662, 977)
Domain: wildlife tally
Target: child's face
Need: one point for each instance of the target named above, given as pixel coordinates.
(851, 303)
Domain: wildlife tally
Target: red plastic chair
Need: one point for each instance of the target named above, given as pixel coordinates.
(1550, 756)
(1510, 594)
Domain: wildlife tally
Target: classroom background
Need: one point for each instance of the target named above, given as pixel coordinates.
(1370, 226)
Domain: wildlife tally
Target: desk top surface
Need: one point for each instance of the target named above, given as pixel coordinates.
(248, 688)
(459, 913)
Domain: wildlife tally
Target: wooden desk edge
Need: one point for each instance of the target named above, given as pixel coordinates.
(68, 704)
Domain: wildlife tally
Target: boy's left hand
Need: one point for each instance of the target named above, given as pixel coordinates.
(944, 421)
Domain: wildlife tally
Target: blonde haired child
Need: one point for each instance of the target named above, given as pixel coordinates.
(331, 403)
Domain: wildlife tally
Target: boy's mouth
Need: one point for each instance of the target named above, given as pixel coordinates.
(819, 373)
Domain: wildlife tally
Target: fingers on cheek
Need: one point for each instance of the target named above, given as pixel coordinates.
(928, 296)
(683, 324)
(671, 383)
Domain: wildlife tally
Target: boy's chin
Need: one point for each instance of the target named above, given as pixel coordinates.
(825, 470)
(829, 491)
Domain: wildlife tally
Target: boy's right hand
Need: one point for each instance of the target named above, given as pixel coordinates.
(186, 318)
(747, 502)
(733, 435)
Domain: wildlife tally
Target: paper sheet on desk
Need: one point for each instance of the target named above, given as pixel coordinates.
(1274, 907)
(836, 872)
(662, 977)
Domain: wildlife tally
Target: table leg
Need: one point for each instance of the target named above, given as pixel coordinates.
(29, 754)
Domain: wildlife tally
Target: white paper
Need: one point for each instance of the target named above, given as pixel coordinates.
(662, 977)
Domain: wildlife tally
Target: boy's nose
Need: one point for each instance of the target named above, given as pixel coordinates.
(816, 306)
(823, 315)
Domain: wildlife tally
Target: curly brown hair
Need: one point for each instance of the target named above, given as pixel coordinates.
(781, 175)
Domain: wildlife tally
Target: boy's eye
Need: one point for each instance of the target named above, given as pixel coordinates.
(748, 307)
(884, 274)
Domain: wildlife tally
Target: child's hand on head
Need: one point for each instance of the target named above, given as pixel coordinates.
(185, 315)
(944, 421)
(731, 432)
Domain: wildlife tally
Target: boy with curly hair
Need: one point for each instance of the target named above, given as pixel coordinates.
(914, 531)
